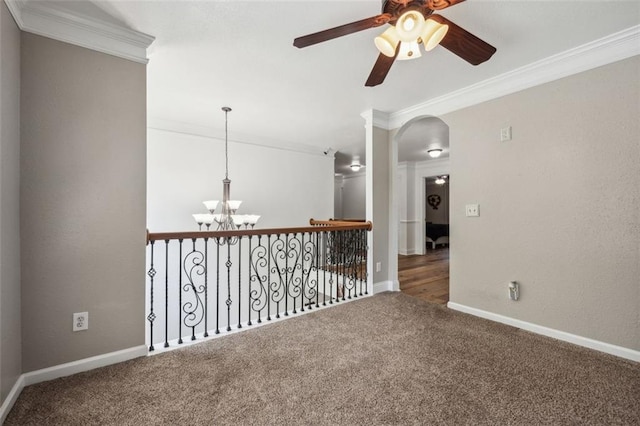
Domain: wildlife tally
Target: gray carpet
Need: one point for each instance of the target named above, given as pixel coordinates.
(386, 359)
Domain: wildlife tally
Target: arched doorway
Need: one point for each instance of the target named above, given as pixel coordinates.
(422, 271)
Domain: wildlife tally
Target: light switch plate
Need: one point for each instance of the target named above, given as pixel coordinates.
(472, 210)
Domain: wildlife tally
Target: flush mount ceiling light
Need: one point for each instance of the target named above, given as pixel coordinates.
(356, 167)
(435, 152)
(411, 23)
(441, 180)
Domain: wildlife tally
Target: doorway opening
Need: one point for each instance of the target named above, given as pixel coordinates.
(420, 217)
(426, 276)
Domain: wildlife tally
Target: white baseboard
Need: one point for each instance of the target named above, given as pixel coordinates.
(67, 369)
(11, 399)
(388, 285)
(586, 342)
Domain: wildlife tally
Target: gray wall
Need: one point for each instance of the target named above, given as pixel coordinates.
(354, 197)
(10, 357)
(559, 204)
(83, 175)
(381, 200)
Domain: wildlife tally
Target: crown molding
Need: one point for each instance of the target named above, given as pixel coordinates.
(376, 118)
(49, 20)
(246, 139)
(613, 48)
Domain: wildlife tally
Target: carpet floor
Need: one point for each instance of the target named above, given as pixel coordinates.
(387, 359)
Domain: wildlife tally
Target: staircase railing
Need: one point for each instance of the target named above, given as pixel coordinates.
(201, 283)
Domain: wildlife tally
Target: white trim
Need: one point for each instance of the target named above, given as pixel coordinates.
(388, 285)
(586, 342)
(407, 252)
(380, 119)
(11, 398)
(609, 49)
(67, 369)
(49, 20)
(85, 364)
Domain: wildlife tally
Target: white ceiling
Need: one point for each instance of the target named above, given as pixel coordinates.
(208, 54)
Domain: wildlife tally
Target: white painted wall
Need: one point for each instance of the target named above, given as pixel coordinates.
(286, 188)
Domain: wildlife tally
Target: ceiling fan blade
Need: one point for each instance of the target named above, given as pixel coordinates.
(342, 30)
(381, 68)
(464, 44)
(441, 4)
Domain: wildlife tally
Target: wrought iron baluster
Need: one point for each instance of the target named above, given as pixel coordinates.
(239, 279)
(193, 310)
(166, 293)
(286, 274)
(249, 275)
(152, 316)
(228, 264)
(206, 287)
(317, 252)
(180, 293)
(269, 278)
(258, 296)
(217, 285)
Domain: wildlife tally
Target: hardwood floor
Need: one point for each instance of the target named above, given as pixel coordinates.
(426, 276)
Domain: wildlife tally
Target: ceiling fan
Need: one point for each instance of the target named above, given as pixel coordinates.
(412, 23)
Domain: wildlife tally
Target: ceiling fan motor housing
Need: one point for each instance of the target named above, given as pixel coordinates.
(397, 7)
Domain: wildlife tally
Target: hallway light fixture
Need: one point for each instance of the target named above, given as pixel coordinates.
(356, 167)
(441, 180)
(227, 220)
(435, 152)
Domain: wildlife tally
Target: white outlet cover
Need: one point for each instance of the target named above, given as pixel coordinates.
(472, 210)
(80, 321)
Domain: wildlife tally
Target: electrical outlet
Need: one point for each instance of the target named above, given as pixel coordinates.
(472, 210)
(80, 321)
(378, 266)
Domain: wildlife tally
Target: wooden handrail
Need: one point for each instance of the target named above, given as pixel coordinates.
(320, 226)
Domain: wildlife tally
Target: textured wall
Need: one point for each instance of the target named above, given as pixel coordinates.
(10, 350)
(83, 174)
(559, 204)
(378, 163)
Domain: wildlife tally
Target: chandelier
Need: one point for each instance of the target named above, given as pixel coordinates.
(227, 219)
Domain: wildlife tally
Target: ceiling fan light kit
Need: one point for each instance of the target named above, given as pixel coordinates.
(412, 22)
(409, 51)
(387, 42)
(433, 34)
(409, 25)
